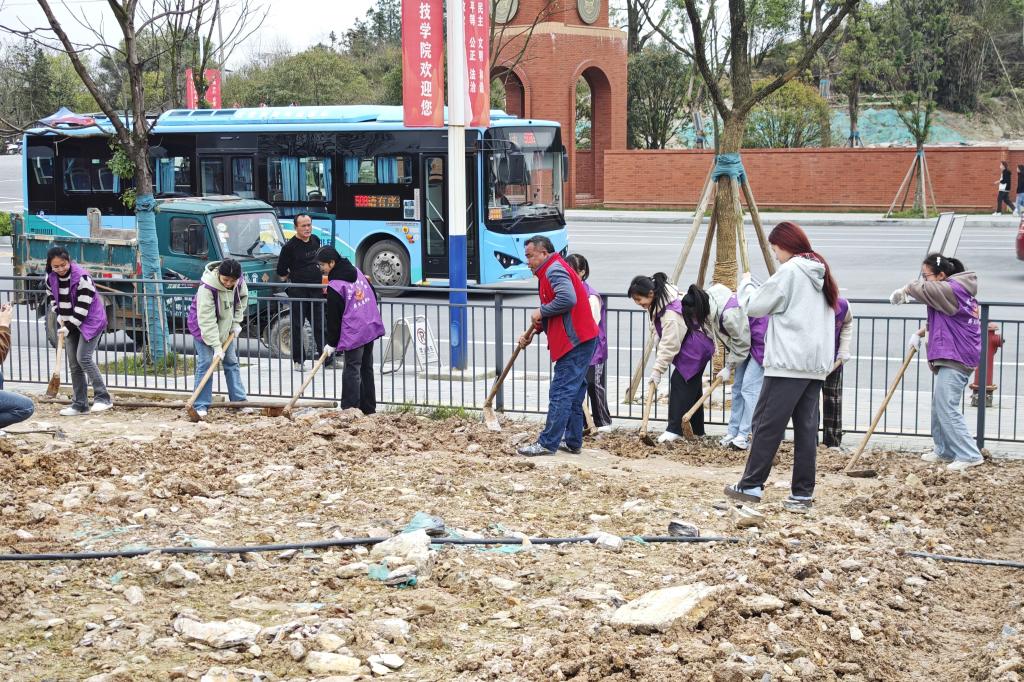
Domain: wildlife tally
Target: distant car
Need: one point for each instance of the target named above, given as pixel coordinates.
(1020, 239)
(12, 148)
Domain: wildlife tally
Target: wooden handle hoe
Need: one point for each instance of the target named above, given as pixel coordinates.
(54, 385)
(644, 437)
(192, 414)
(698, 405)
(287, 411)
(588, 420)
(490, 416)
(871, 473)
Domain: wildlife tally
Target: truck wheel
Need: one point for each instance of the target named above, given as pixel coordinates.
(278, 337)
(386, 265)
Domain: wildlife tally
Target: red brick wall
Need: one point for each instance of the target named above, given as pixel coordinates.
(808, 179)
(584, 172)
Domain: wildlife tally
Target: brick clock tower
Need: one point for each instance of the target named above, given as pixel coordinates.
(565, 41)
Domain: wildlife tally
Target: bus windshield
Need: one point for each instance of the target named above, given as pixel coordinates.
(524, 179)
(249, 235)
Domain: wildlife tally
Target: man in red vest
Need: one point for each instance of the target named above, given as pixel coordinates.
(565, 316)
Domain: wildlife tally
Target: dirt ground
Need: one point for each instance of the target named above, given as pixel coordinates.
(825, 596)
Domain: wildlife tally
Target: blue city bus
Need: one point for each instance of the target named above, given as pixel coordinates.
(385, 184)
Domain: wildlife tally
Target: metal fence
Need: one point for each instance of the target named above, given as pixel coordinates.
(412, 360)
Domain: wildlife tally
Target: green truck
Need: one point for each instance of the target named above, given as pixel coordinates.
(191, 231)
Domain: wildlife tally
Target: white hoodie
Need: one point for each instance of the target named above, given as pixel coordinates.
(800, 342)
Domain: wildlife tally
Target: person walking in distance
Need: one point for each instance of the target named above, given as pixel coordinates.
(684, 344)
(800, 300)
(597, 379)
(14, 407)
(832, 390)
(1003, 183)
(953, 349)
(1018, 209)
(353, 324)
(565, 317)
(297, 264)
(743, 340)
(81, 320)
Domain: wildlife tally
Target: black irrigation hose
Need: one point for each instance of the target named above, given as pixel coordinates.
(345, 542)
(967, 560)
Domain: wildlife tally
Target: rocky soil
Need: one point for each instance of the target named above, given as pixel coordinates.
(826, 596)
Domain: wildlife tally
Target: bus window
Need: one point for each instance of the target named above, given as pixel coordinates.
(318, 178)
(88, 175)
(42, 171)
(360, 171)
(241, 178)
(211, 176)
(173, 175)
(292, 178)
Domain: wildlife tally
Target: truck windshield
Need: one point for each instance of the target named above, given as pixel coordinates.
(249, 235)
(524, 179)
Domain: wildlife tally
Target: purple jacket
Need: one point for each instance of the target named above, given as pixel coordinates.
(96, 319)
(956, 337)
(758, 329)
(697, 349)
(601, 352)
(844, 307)
(361, 323)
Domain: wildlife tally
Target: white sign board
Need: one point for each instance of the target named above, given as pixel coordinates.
(416, 331)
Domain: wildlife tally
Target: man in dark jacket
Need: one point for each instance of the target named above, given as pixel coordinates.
(566, 318)
(297, 264)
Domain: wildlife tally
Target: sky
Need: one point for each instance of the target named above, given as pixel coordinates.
(297, 23)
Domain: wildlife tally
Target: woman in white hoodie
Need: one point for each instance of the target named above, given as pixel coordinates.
(800, 300)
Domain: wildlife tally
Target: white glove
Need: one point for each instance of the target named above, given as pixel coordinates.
(915, 341)
(237, 330)
(655, 379)
(62, 330)
(843, 356)
(218, 355)
(724, 374)
(899, 296)
(745, 278)
(328, 350)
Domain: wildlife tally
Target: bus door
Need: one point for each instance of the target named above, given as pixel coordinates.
(434, 212)
(227, 174)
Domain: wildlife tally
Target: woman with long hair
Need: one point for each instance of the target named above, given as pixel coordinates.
(681, 324)
(800, 300)
(597, 377)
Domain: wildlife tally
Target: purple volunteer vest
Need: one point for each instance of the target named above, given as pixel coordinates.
(362, 323)
(96, 319)
(844, 307)
(697, 349)
(601, 352)
(758, 329)
(193, 310)
(958, 336)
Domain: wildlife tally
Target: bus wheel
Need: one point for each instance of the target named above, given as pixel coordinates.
(386, 265)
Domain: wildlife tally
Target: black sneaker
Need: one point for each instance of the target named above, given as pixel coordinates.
(564, 447)
(797, 506)
(534, 450)
(733, 492)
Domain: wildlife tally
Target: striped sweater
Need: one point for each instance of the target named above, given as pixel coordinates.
(70, 312)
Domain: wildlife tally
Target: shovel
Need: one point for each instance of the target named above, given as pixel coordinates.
(490, 417)
(687, 429)
(591, 428)
(54, 385)
(287, 410)
(192, 414)
(871, 473)
(644, 437)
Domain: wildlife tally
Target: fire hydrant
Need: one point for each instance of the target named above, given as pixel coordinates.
(995, 342)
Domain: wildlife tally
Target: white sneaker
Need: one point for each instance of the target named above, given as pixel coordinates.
(933, 458)
(73, 412)
(668, 437)
(298, 366)
(100, 406)
(740, 443)
(997, 213)
(964, 464)
(726, 439)
(247, 410)
(607, 428)
(201, 412)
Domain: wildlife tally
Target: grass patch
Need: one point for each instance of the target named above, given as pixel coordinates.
(434, 412)
(172, 365)
(909, 213)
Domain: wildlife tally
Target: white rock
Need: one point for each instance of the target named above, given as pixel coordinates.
(322, 662)
(247, 480)
(23, 534)
(39, 511)
(296, 650)
(145, 514)
(177, 576)
(761, 603)
(393, 629)
(133, 595)
(329, 642)
(352, 570)
(850, 565)
(393, 661)
(855, 633)
(503, 583)
(599, 518)
(413, 548)
(379, 669)
(609, 541)
(747, 517)
(234, 633)
(71, 501)
(218, 674)
(658, 610)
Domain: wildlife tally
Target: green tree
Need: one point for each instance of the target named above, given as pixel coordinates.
(659, 87)
(795, 115)
(859, 62)
(318, 75)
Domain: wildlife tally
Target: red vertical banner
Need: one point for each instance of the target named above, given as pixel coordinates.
(423, 63)
(213, 89)
(191, 100)
(478, 62)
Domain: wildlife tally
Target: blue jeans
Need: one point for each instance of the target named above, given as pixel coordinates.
(746, 388)
(949, 428)
(204, 358)
(565, 398)
(1020, 202)
(14, 407)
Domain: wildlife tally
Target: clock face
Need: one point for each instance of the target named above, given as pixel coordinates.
(589, 10)
(504, 10)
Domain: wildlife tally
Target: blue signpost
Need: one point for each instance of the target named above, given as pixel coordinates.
(457, 298)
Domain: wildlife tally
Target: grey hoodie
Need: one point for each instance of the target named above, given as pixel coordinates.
(800, 342)
(736, 336)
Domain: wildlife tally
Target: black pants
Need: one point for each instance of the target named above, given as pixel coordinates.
(1003, 197)
(597, 382)
(780, 399)
(357, 387)
(682, 395)
(832, 409)
(302, 310)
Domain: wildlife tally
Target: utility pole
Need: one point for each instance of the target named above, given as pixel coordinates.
(457, 297)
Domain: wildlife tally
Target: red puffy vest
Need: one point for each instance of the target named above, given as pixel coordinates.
(570, 329)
